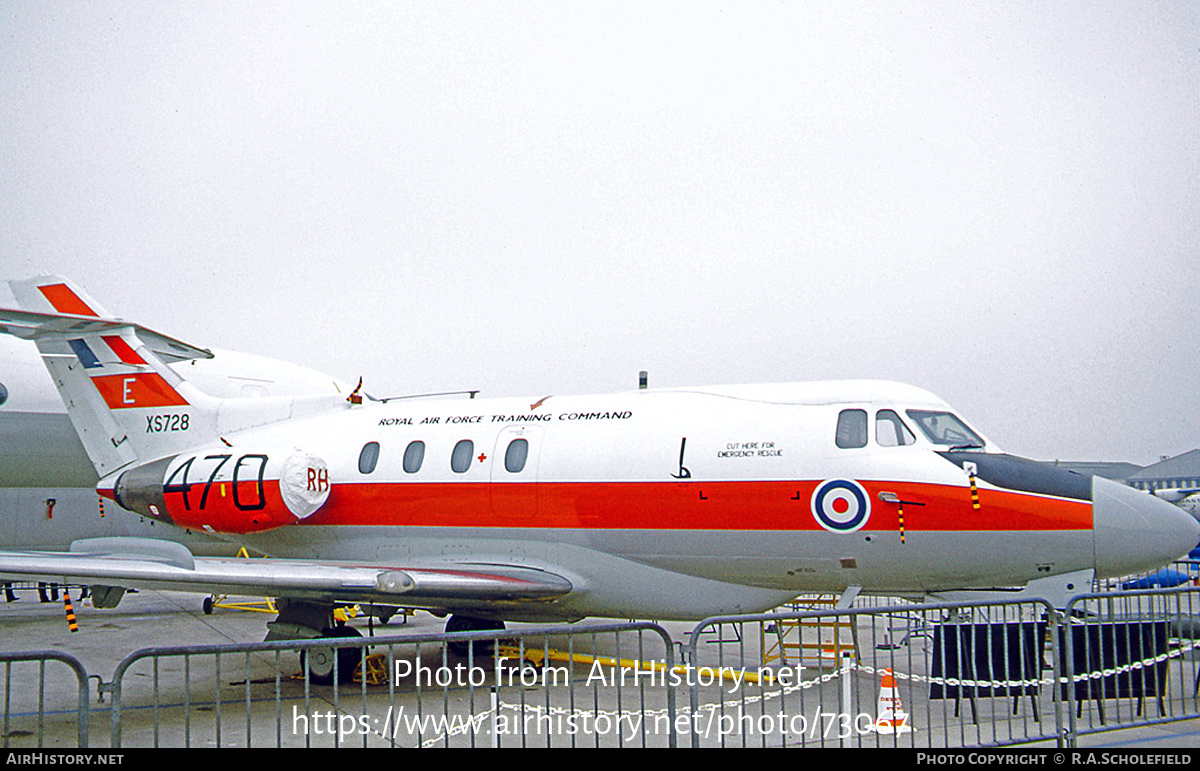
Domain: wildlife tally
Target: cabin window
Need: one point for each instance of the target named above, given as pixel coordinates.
(516, 455)
(852, 429)
(460, 459)
(945, 428)
(368, 458)
(890, 430)
(414, 456)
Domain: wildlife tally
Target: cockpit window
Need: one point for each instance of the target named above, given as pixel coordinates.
(890, 430)
(945, 428)
(852, 429)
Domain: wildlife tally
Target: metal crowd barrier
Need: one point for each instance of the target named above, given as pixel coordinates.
(24, 718)
(536, 686)
(901, 675)
(916, 675)
(1129, 658)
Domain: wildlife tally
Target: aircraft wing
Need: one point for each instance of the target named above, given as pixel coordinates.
(148, 564)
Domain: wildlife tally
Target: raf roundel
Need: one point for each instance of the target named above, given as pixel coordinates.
(841, 505)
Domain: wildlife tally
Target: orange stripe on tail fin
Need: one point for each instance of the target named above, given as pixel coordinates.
(147, 389)
(122, 349)
(65, 301)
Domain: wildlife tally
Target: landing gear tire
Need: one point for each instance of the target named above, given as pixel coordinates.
(483, 648)
(207, 606)
(319, 662)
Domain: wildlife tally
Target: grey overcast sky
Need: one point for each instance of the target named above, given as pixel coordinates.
(999, 202)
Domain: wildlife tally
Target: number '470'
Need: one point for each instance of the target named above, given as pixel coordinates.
(253, 464)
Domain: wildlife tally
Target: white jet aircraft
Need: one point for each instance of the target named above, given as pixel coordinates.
(674, 503)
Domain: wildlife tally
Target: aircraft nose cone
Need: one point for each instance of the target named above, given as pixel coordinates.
(1136, 531)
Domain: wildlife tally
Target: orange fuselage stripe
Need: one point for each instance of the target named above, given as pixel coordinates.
(693, 505)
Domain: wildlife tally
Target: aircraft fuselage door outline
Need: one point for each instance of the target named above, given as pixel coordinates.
(514, 472)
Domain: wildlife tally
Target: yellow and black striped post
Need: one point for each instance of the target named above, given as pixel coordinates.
(900, 510)
(70, 610)
(974, 493)
(99, 498)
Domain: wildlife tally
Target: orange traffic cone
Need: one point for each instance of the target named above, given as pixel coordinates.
(890, 717)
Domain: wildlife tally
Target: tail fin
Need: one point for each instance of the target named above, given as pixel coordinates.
(125, 402)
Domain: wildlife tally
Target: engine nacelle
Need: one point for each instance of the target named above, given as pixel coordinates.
(226, 491)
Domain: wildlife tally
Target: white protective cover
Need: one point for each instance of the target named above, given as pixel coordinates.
(304, 483)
